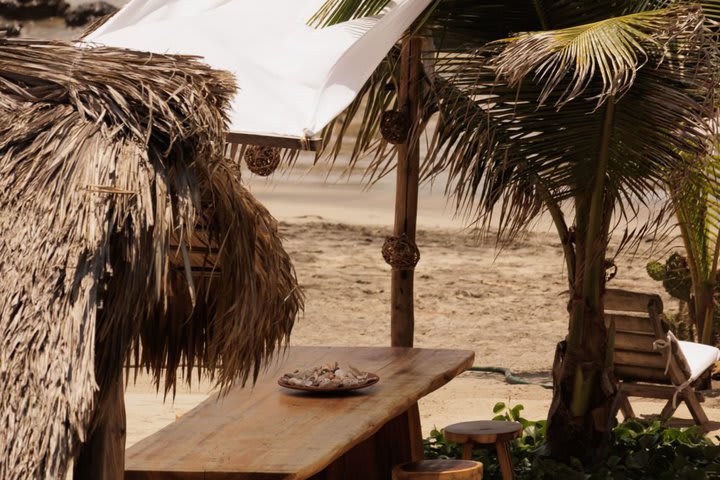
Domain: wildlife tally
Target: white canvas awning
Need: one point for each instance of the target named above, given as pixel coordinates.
(293, 79)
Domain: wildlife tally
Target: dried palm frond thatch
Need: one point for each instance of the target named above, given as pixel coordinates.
(123, 233)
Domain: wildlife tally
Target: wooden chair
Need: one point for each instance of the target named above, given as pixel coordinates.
(439, 470)
(649, 361)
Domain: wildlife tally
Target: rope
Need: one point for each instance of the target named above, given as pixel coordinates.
(667, 345)
(510, 377)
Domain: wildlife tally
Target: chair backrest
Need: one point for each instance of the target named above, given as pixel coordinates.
(638, 324)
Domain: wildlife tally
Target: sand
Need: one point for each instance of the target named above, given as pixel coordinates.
(507, 305)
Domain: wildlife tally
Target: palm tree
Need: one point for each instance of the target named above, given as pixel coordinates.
(696, 201)
(587, 118)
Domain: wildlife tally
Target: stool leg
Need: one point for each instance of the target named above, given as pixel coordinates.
(503, 453)
(467, 450)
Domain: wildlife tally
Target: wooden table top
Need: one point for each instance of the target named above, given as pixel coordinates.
(269, 432)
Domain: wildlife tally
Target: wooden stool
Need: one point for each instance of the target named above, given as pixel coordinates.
(486, 432)
(439, 470)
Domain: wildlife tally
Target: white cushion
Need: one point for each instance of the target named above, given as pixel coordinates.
(699, 357)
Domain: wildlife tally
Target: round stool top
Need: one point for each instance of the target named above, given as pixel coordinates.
(439, 469)
(483, 431)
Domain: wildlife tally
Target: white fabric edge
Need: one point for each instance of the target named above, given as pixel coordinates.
(699, 357)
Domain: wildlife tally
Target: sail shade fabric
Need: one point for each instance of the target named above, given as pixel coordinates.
(293, 79)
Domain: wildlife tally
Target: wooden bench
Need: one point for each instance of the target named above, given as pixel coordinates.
(269, 432)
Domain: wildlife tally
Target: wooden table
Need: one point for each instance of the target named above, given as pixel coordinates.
(269, 432)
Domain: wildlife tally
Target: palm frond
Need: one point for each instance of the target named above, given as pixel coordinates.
(337, 11)
(450, 26)
(361, 120)
(496, 141)
(612, 49)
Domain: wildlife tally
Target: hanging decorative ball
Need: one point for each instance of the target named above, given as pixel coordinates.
(395, 126)
(400, 253)
(262, 160)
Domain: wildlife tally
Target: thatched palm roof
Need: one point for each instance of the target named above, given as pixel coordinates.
(114, 193)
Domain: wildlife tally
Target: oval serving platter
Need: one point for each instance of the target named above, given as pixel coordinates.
(371, 380)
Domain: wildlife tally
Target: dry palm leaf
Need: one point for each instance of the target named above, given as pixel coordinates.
(112, 185)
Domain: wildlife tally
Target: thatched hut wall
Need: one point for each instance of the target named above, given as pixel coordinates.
(123, 232)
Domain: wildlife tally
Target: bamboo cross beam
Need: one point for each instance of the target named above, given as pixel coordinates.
(402, 317)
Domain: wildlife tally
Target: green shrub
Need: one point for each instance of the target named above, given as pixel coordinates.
(641, 450)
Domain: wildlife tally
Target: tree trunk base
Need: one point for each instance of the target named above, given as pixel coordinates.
(586, 437)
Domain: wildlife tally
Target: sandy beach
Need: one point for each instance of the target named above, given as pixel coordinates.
(507, 305)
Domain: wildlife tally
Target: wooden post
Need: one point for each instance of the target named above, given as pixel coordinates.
(406, 196)
(102, 457)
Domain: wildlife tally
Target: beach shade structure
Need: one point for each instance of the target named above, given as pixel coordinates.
(295, 78)
(125, 236)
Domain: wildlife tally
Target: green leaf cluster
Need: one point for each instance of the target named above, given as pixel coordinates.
(674, 275)
(641, 450)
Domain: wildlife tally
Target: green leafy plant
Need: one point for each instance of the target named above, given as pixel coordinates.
(533, 431)
(640, 450)
(683, 283)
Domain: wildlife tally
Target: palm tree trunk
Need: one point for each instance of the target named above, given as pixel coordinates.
(580, 418)
(561, 226)
(705, 311)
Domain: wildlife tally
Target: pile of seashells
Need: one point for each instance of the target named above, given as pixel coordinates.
(328, 376)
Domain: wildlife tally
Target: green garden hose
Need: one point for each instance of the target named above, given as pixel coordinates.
(509, 377)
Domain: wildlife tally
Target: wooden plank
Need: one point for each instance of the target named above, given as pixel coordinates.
(376, 455)
(199, 240)
(312, 144)
(639, 359)
(402, 317)
(270, 432)
(668, 409)
(644, 374)
(648, 390)
(206, 476)
(624, 300)
(696, 410)
(626, 408)
(417, 450)
(638, 342)
(197, 259)
(206, 250)
(630, 323)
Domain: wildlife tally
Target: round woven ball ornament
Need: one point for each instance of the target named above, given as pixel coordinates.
(395, 126)
(400, 253)
(262, 160)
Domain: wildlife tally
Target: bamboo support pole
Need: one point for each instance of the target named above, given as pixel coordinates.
(406, 196)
